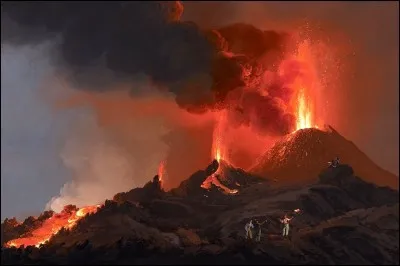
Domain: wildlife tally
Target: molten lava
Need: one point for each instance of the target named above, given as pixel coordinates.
(162, 173)
(305, 85)
(219, 153)
(51, 226)
(304, 114)
(218, 149)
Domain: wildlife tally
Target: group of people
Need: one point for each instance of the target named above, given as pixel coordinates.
(254, 228)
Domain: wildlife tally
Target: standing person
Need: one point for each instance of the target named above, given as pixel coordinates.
(285, 221)
(258, 229)
(335, 162)
(248, 229)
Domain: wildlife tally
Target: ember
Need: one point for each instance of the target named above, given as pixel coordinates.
(66, 219)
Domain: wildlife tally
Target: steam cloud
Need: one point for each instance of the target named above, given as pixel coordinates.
(200, 67)
(101, 168)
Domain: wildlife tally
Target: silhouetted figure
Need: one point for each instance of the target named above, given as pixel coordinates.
(334, 163)
(248, 229)
(286, 225)
(258, 229)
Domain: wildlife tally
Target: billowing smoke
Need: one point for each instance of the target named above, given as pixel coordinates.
(200, 67)
(105, 50)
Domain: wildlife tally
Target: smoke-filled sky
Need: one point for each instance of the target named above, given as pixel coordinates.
(43, 147)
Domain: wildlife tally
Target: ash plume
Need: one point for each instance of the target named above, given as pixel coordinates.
(99, 46)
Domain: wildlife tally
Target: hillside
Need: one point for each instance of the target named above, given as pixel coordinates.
(343, 220)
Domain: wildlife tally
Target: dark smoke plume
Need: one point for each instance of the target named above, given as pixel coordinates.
(200, 67)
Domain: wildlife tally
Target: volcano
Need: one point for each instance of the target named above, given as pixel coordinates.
(298, 158)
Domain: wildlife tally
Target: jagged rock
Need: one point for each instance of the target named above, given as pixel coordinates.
(151, 190)
(338, 176)
(343, 177)
(192, 185)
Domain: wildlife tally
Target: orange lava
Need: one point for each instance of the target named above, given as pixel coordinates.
(219, 153)
(52, 226)
(162, 173)
(305, 85)
(304, 113)
(218, 149)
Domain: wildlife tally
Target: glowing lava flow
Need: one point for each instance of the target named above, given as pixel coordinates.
(219, 153)
(52, 226)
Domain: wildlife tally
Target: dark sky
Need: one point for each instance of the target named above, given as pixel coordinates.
(367, 105)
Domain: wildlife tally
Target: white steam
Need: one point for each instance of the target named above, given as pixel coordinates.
(99, 169)
(100, 166)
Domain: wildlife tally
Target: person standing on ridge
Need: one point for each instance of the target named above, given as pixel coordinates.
(258, 229)
(248, 229)
(334, 163)
(285, 221)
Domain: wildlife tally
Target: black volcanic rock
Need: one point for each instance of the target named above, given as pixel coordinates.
(192, 185)
(337, 176)
(170, 209)
(367, 193)
(343, 220)
(151, 190)
(236, 178)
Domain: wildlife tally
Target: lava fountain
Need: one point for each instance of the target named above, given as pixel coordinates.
(304, 113)
(219, 152)
(306, 84)
(162, 174)
(67, 219)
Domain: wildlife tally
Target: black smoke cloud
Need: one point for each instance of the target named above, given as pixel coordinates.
(201, 67)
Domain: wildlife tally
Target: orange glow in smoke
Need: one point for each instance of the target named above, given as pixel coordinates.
(52, 226)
